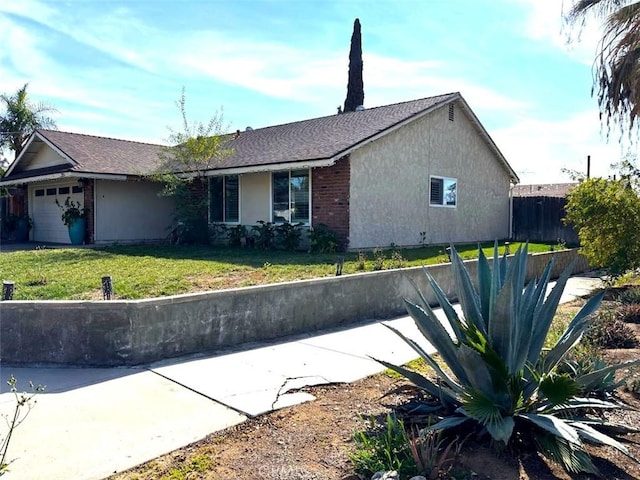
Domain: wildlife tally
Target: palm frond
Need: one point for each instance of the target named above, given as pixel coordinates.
(559, 389)
(572, 457)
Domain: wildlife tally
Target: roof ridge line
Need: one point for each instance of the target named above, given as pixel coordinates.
(347, 113)
(43, 131)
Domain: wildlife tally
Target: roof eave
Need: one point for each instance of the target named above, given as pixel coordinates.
(395, 127)
(273, 167)
(513, 176)
(63, 175)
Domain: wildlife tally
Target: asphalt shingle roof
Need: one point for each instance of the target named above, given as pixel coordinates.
(105, 155)
(315, 139)
(321, 138)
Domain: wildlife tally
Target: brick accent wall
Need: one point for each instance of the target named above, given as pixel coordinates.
(88, 202)
(19, 200)
(330, 198)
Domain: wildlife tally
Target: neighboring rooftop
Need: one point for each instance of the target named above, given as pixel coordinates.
(543, 190)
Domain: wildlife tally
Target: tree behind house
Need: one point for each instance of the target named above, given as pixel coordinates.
(355, 87)
(19, 117)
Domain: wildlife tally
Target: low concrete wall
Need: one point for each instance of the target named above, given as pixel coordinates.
(132, 332)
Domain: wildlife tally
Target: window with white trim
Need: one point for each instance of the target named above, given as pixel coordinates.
(290, 196)
(443, 192)
(224, 199)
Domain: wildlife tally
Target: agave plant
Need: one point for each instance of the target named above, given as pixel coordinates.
(501, 377)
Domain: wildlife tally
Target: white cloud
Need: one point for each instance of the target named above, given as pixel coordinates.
(539, 150)
(545, 23)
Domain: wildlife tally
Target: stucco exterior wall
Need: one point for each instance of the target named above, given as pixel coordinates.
(389, 193)
(131, 212)
(255, 198)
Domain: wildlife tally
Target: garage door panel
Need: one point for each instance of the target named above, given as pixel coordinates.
(46, 214)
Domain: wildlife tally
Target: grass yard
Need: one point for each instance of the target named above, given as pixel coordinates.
(152, 271)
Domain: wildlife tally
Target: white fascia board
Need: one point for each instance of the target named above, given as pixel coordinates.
(487, 138)
(58, 176)
(275, 167)
(39, 178)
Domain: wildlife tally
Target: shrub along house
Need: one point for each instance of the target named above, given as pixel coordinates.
(376, 177)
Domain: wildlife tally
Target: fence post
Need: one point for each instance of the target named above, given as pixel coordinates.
(107, 288)
(339, 266)
(7, 290)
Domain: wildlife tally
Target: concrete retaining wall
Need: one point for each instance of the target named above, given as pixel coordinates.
(140, 331)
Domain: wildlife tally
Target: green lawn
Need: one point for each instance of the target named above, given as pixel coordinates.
(152, 271)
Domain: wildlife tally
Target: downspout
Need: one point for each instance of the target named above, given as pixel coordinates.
(511, 185)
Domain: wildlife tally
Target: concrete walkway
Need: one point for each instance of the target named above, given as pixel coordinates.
(91, 423)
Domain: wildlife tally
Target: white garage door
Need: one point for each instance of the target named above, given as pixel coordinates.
(46, 215)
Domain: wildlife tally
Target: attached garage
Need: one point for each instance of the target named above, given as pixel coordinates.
(46, 215)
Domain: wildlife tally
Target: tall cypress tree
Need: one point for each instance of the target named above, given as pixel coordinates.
(355, 87)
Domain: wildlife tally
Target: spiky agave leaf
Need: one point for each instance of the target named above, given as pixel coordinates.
(433, 330)
(422, 382)
(545, 312)
(573, 333)
(568, 408)
(609, 427)
(447, 422)
(430, 361)
(467, 296)
(532, 298)
(447, 308)
(589, 380)
(590, 434)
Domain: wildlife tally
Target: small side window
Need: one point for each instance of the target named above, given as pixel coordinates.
(63, 191)
(40, 192)
(51, 191)
(443, 192)
(76, 189)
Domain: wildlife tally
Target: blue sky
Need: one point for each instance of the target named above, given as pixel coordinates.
(116, 68)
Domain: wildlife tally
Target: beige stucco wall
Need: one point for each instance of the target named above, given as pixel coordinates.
(255, 197)
(131, 211)
(389, 193)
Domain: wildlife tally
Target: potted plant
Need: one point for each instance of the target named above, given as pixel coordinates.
(18, 226)
(73, 216)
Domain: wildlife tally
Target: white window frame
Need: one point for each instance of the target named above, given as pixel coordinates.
(224, 187)
(444, 181)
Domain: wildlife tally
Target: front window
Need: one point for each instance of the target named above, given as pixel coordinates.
(224, 199)
(443, 192)
(291, 196)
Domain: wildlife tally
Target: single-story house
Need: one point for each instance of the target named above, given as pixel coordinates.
(377, 177)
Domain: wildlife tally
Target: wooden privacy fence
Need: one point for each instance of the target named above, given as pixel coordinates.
(539, 219)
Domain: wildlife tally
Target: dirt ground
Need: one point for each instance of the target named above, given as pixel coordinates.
(313, 441)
